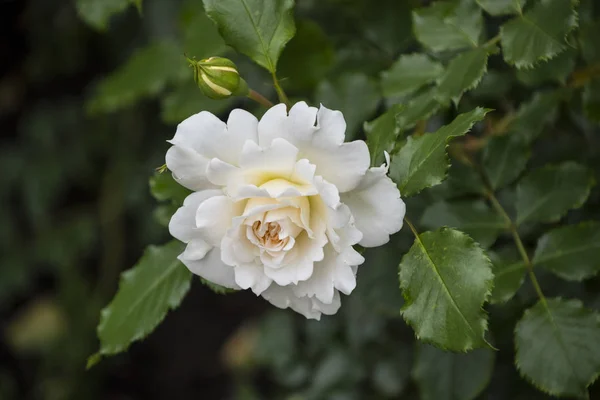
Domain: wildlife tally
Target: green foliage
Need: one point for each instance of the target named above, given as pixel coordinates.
(257, 28)
(571, 252)
(546, 194)
(538, 34)
(408, 74)
(463, 73)
(509, 274)
(163, 187)
(504, 159)
(448, 25)
(423, 161)
(443, 375)
(449, 266)
(502, 7)
(554, 70)
(557, 347)
(97, 13)
(155, 285)
(472, 217)
(382, 134)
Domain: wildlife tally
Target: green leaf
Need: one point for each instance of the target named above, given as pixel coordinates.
(423, 161)
(200, 36)
(419, 108)
(509, 274)
(355, 94)
(155, 285)
(389, 25)
(557, 70)
(539, 34)
(504, 159)
(557, 347)
(463, 73)
(187, 100)
(257, 28)
(97, 13)
(546, 194)
(571, 252)
(145, 74)
(382, 133)
(442, 375)
(409, 73)
(502, 7)
(473, 217)
(535, 114)
(446, 278)
(461, 180)
(307, 58)
(591, 100)
(163, 187)
(448, 25)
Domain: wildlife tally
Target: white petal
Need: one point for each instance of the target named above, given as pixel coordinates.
(214, 217)
(343, 277)
(188, 167)
(182, 225)
(278, 160)
(321, 282)
(220, 173)
(241, 127)
(196, 250)
(284, 297)
(199, 132)
(252, 276)
(377, 207)
(331, 126)
(212, 269)
(327, 309)
(299, 125)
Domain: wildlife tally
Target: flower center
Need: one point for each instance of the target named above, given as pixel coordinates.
(268, 235)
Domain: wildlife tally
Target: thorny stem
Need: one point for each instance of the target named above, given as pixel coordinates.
(282, 96)
(259, 98)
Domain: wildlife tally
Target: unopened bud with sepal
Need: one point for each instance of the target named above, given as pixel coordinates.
(218, 78)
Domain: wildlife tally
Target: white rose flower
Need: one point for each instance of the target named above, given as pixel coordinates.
(278, 204)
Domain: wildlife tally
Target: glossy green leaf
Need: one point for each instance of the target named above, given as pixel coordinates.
(448, 25)
(155, 285)
(557, 347)
(381, 134)
(504, 159)
(556, 70)
(145, 74)
(307, 58)
(536, 114)
(443, 375)
(538, 34)
(509, 274)
(97, 13)
(463, 73)
(446, 278)
(423, 161)
(502, 7)
(546, 194)
(571, 252)
(187, 100)
(419, 108)
(355, 94)
(473, 217)
(163, 187)
(409, 73)
(257, 28)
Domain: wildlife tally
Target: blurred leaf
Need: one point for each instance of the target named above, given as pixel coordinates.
(494, 84)
(145, 74)
(446, 278)
(409, 73)
(535, 114)
(257, 28)
(155, 285)
(335, 368)
(163, 187)
(442, 375)
(588, 40)
(276, 344)
(539, 34)
(187, 100)
(473, 217)
(571, 252)
(463, 73)
(388, 25)
(591, 100)
(355, 95)
(423, 161)
(546, 194)
(201, 38)
(461, 180)
(502, 7)
(448, 25)
(557, 70)
(419, 108)
(97, 13)
(307, 58)
(391, 374)
(163, 213)
(509, 274)
(557, 347)
(381, 134)
(504, 159)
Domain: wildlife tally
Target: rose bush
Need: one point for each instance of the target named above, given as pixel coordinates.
(279, 203)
